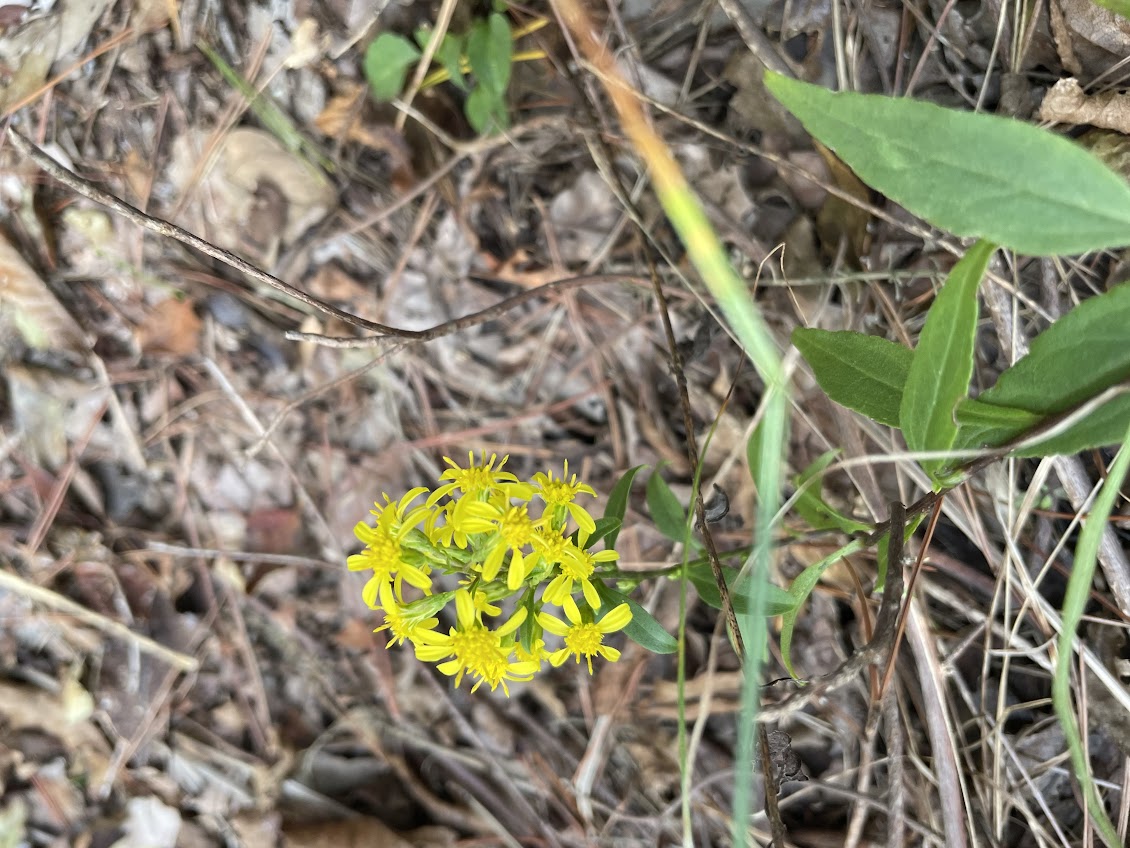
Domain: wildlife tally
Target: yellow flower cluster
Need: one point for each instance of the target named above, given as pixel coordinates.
(477, 525)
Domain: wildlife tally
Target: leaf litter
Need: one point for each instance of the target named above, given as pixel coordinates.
(189, 478)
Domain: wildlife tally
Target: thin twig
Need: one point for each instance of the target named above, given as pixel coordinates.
(756, 40)
(896, 791)
(37, 594)
(164, 228)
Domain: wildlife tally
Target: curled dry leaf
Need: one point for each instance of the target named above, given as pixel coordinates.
(1096, 33)
(784, 758)
(1067, 103)
(254, 179)
(27, 304)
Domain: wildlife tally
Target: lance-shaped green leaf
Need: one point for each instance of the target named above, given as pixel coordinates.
(643, 629)
(1079, 357)
(971, 174)
(617, 506)
(1120, 7)
(778, 601)
(801, 588)
(943, 361)
(810, 504)
(668, 514)
(861, 372)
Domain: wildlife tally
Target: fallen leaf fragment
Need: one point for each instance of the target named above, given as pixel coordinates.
(27, 303)
(1067, 103)
(172, 327)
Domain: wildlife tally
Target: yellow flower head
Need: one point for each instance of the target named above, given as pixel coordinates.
(513, 529)
(400, 624)
(577, 566)
(559, 496)
(473, 648)
(384, 553)
(585, 637)
(475, 531)
(477, 480)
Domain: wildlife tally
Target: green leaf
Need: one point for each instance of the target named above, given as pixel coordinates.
(702, 577)
(617, 506)
(971, 174)
(801, 588)
(864, 373)
(386, 64)
(604, 527)
(943, 361)
(810, 504)
(668, 514)
(489, 47)
(1119, 7)
(1050, 381)
(485, 111)
(981, 423)
(643, 629)
(450, 55)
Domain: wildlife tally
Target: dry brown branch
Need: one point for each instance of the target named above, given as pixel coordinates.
(164, 228)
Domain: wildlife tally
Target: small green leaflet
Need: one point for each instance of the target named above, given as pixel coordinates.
(489, 48)
(972, 174)
(861, 372)
(810, 504)
(943, 361)
(386, 64)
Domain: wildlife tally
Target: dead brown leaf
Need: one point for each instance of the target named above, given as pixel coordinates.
(274, 531)
(840, 220)
(344, 118)
(172, 328)
(351, 833)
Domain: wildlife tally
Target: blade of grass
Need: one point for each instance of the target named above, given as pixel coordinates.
(1074, 602)
(274, 119)
(709, 258)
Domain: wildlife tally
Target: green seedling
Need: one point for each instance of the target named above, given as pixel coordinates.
(477, 62)
(1007, 184)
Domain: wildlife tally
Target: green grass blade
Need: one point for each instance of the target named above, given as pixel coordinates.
(1074, 602)
(273, 119)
